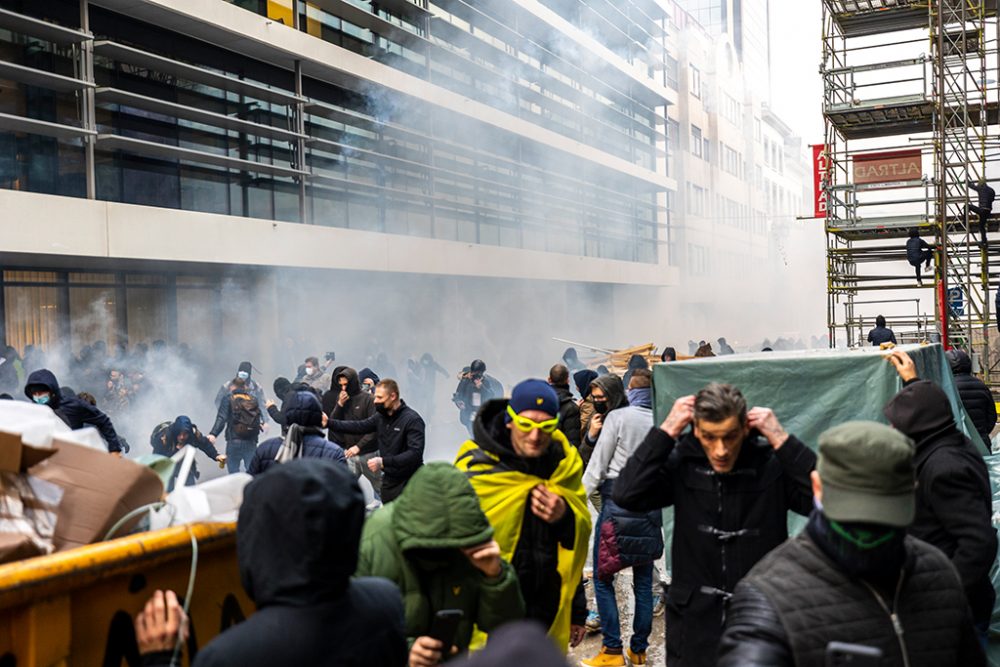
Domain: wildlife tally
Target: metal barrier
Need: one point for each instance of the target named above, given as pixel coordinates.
(77, 607)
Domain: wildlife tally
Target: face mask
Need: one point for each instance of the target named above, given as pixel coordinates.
(601, 407)
(243, 375)
(309, 371)
(382, 409)
(41, 400)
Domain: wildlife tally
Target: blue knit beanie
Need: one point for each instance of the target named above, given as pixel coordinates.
(534, 395)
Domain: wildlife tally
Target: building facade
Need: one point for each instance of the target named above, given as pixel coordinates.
(408, 171)
(163, 162)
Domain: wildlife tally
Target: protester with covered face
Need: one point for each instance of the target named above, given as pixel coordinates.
(623, 539)
(352, 403)
(296, 561)
(315, 376)
(305, 437)
(475, 389)
(440, 559)
(582, 380)
(731, 491)
(954, 506)
(368, 380)
(607, 393)
(42, 388)
(399, 438)
(853, 575)
(243, 372)
(529, 482)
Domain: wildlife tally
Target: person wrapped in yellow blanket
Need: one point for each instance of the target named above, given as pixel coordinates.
(529, 482)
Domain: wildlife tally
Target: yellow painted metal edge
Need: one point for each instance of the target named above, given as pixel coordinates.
(27, 580)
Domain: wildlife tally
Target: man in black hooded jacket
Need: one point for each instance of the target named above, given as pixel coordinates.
(43, 388)
(296, 560)
(975, 395)
(347, 401)
(954, 501)
(569, 411)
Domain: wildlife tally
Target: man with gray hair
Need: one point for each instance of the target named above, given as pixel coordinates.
(731, 480)
(854, 576)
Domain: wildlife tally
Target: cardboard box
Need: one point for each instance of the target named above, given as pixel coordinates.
(99, 489)
(15, 456)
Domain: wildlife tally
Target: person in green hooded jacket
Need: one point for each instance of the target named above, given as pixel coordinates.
(435, 543)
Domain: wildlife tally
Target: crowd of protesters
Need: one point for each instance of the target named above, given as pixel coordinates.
(490, 548)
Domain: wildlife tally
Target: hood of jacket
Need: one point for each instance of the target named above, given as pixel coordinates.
(419, 523)
(280, 387)
(298, 533)
(180, 425)
(302, 408)
(46, 379)
(959, 361)
(613, 388)
(637, 361)
(353, 382)
(920, 410)
(582, 380)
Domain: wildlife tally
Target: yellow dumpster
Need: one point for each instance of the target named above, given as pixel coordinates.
(76, 607)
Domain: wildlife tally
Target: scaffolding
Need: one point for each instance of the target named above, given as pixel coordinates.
(908, 77)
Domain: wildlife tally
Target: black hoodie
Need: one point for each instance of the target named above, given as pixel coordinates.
(75, 413)
(975, 395)
(954, 502)
(296, 560)
(360, 405)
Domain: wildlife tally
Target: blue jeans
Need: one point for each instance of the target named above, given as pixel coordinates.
(607, 605)
(239, 450)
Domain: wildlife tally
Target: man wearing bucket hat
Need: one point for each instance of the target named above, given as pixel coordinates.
(853, 575)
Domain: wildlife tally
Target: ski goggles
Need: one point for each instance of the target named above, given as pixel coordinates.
(526, 425)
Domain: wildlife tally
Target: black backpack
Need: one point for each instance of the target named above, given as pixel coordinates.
(245, 415)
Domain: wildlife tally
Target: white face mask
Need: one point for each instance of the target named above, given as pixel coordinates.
(243, 375)
(310, 370)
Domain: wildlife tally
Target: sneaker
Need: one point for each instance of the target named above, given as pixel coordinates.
(635, 658)
(605, 659)
(593, 623)
(920, 282)
(658, 605)
(373, 505)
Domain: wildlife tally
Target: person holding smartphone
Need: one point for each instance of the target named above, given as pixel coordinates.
(436, 545)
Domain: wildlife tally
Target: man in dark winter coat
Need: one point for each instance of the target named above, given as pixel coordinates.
(305, 437)
(296, 560)
(985, 208)
(475, 389)
(399, 438)
(635, 362)
(523, 644)
(179, 433)
(281, 387)
(918, 252)
(976, 396)
(43, 388)
(569, 411)
(347, 401)
(731, 491)
(881, 333)
(954, 499)
(243, 425)
(853, 575)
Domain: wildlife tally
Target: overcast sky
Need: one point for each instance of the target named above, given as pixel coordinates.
(796, 49)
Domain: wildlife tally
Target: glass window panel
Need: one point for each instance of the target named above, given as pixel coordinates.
(31, 316)
(92, 316)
